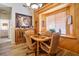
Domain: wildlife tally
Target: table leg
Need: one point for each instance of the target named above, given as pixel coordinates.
(37, 48)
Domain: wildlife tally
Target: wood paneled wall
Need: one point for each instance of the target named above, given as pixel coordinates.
(71, 9)
(39, 11)
(76, 19)
(36, 22)
(66, 42)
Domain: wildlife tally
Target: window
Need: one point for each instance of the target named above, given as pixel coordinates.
(50, 22)
(57, 22)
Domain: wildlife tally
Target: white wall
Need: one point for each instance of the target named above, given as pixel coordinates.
(16, 8)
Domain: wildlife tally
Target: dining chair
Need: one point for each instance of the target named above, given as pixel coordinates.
(30, 43)
(51, 46)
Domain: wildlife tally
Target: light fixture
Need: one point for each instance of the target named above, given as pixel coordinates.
(40, 5)
(28, 4)
(34, 5)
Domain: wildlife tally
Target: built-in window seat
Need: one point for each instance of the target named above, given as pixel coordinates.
(69, 42)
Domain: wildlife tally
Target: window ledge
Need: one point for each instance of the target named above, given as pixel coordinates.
(69, 36)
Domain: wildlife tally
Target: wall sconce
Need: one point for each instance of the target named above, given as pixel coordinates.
(69, 19)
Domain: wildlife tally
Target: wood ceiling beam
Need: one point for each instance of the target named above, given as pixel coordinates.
(46, 7)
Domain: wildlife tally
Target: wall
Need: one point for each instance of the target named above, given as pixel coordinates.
(58, 7)
(74, 12)
(76, 20)
(72, 9)
(16, 8)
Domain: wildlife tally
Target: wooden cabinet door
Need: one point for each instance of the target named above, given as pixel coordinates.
(19, 36)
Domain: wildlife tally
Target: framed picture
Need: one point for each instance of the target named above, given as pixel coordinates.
(43, 23)
(23, 21)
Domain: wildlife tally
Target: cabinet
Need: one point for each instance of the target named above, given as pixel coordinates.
(19, 36)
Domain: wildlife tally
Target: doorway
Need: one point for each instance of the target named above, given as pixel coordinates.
(5, 17)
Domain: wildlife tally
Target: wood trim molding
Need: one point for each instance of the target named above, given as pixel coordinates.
(54, 12)
(46, 7)
(59, 10)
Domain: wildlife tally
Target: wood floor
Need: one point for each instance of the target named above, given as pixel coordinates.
(7, 49)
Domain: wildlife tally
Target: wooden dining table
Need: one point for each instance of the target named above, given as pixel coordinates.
(39, 38)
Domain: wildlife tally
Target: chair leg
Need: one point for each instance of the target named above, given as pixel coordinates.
(54, 54)
(29, 51)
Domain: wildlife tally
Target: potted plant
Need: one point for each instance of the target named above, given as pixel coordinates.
(52, 30)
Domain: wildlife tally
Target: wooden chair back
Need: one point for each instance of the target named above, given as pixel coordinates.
(51, 45)
(54, 42)
(27, 36)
